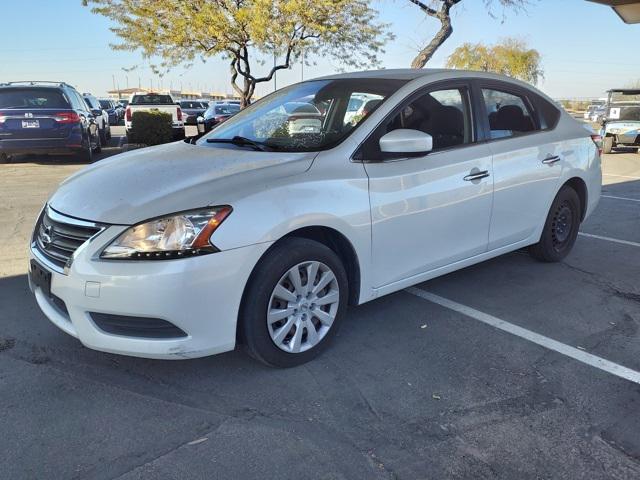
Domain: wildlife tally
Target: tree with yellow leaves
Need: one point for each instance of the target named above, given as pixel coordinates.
(243, 31)
(510, 57)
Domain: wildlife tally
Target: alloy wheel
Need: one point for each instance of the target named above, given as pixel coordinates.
(303, 306)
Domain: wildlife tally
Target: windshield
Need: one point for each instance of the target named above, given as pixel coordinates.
(151, 99)
(32, 98)
(630, 113)
(629, 96)
(305, 117)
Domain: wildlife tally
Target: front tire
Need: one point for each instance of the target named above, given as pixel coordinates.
(294, 303)
(560, 229)
(607, 144)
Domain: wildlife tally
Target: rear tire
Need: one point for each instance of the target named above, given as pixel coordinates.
(607, 144)
(4, 158)
(103, 135)
(86, 154)
(561, 227)
(287, 340)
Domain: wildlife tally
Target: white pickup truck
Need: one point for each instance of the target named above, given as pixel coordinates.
(143, 101)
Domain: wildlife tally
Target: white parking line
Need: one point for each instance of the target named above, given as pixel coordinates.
(546, 342)
(621, 198)
(621, 176)
(609, 239)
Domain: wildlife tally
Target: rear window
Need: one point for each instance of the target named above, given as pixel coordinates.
(227, 109)
(300, 108)
(190, 105)
(105, 103)
(32, 98)
(151, 99)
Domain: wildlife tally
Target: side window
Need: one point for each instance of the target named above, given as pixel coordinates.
(443, 114)
(509, 114)
(74, 100)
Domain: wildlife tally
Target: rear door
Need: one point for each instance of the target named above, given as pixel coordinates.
(33, 113)
(527, 161)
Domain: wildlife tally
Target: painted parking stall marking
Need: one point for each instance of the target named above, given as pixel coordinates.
(621, 198)
(541, 340)
(609, 239)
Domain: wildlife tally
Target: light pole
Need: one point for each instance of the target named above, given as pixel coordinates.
(275, 73)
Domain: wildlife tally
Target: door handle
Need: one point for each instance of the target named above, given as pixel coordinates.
(551, 160)
(476, 176)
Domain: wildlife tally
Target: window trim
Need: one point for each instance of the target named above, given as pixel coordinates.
(530, 98)
(454, 84)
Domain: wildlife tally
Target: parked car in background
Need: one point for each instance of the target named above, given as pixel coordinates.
(46, 118)
(218, 112)
(101, 116)
(143, 101)
(109, 106)
(621, 119)
(302, 117)
(598, 113)
(262, 237)
(356, 106)
(191, 110)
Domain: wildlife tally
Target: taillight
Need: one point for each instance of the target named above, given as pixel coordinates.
(67, 117)
(597, 139)
(128, 114)
(179, 114)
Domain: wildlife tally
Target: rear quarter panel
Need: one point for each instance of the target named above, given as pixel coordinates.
(581, 158)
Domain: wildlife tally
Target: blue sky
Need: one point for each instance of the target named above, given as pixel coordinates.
(585, 47)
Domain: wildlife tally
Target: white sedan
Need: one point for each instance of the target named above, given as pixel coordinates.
(260, 236)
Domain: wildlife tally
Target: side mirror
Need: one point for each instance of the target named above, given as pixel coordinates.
(200, 123)
(404, 140)
(96, 112)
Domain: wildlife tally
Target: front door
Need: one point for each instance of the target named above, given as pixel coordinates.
(430, 211)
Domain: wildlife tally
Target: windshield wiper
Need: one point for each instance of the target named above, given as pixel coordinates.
(242, 142)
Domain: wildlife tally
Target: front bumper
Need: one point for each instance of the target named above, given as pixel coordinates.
(200, 295)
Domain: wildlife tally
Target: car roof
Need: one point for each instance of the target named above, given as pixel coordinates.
(414, 73)
(627, 91)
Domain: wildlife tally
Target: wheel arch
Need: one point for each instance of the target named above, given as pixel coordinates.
(329, 237)
(580, 187)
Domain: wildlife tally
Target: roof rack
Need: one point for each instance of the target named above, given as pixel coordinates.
(36, 82)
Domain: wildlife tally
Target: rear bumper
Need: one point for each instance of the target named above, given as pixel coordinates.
(45, 146)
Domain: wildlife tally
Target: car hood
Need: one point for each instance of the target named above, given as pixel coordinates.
(155, 181)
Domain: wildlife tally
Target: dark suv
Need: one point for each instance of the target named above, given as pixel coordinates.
(46, 118)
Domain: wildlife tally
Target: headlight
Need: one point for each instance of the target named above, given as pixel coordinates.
(176, 236)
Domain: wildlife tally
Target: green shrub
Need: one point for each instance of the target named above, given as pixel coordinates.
(151, 128)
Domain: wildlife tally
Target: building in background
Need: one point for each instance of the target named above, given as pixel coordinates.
(177, 95)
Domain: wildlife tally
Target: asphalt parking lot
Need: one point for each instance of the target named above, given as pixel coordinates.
(411, 389)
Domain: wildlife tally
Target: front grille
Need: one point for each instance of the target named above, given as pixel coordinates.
(57, 236)
(140, 327)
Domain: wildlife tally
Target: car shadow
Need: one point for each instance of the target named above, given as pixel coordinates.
(113, 147)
